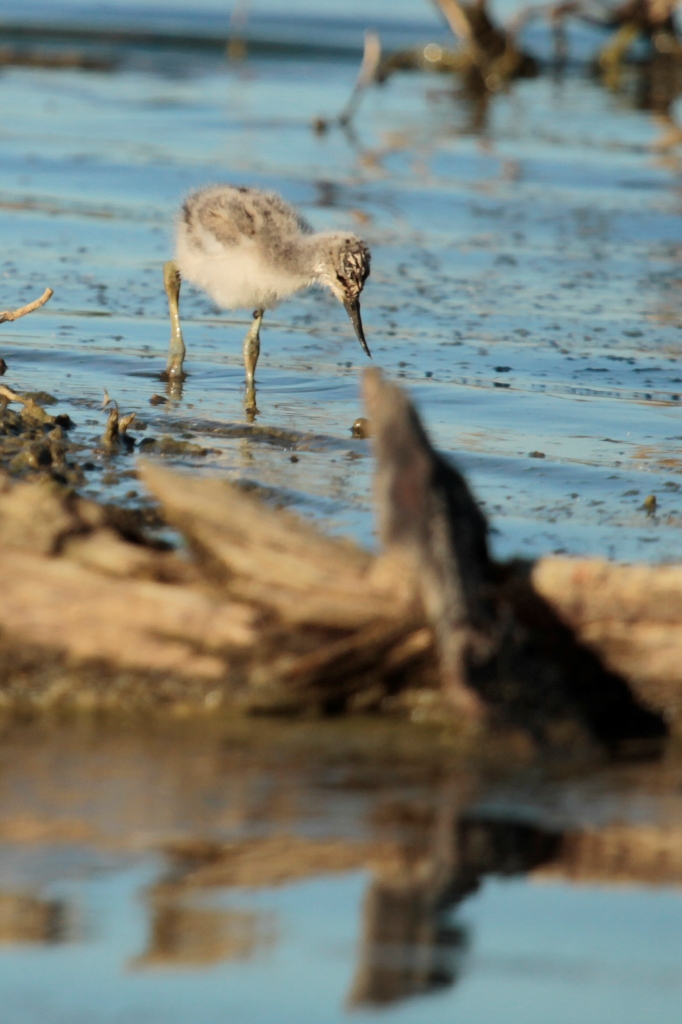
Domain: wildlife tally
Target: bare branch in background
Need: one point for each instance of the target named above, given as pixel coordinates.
(236, 42)
(16, 314)
(371, 60)
(10, 395)
(117, 425)
(485, 55)
(456, 19)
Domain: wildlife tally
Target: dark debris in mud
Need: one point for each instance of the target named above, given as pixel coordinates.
(34, 442)
(167, 445)
(36, 446)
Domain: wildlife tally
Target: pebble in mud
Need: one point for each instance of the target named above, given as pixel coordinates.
(33, 456)
(361, 428)
(650, 504)
(41, 397)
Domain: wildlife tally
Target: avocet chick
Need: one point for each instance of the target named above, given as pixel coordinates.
(249, 250)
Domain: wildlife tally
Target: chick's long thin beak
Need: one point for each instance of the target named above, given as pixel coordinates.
(353, 310)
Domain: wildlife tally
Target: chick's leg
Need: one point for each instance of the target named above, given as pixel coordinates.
(251, 353)
(176, 352)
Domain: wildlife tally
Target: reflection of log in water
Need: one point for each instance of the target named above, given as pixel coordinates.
(407, 947)
(641, 855)
(187, 936)
(183, 933)
(27, 918)
(410, 944)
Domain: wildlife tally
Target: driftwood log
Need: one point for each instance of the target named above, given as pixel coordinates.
(263, 612)
(486, 54)
(631, 21)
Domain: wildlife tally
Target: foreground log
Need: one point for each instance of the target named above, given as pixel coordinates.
(266, 614)
(500, 645)
(630, 614)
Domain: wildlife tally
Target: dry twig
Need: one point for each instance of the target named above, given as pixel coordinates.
(371, 60)
(16, 314)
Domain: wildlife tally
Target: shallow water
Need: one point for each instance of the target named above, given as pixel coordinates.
(595, 966)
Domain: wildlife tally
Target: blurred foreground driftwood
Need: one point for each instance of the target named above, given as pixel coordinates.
(265, 613)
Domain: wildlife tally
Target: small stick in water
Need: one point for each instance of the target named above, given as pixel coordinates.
(16, 314)
(371, 59)
(10, 395)
(456, 18)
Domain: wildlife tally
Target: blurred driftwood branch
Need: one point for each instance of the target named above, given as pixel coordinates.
(367, 75)
(652, 21)
(489, 55)
(267, 614)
